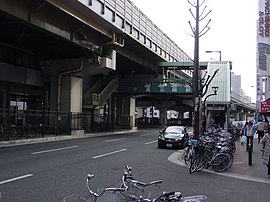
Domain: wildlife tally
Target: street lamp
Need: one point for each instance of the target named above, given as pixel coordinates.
(215, 52)
(215, 89)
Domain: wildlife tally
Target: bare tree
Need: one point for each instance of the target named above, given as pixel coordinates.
(196, 33)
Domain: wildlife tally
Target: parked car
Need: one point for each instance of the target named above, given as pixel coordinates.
(173, 137)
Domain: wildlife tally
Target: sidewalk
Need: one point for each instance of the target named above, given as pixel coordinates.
(240, 168)
(50, 138)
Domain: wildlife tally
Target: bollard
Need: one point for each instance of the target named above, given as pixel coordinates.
(249, 154)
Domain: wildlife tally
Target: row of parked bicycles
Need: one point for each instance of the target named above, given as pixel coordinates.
(214, 149)
(130, 190)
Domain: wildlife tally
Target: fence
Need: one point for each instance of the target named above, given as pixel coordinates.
(24, 124)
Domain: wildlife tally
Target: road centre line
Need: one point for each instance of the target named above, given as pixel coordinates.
(16, 178)
(151, 142)
(106, 154)
(52, 150)
(112, 140)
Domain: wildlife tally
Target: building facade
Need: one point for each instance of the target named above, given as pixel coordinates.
(263, 52)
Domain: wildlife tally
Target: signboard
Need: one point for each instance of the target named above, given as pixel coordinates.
(216, 108)
(265, 106)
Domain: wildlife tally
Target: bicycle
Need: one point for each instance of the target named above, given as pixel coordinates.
(134, 188)
(209, 157)
(102, 195)
(174, 197)
(190, 150)
(130, 184)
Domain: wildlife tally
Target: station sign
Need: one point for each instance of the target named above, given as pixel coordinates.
(216, 108)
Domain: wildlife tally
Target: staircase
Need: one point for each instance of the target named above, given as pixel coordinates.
(93, 99)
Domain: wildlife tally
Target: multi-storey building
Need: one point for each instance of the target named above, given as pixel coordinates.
(263, 52)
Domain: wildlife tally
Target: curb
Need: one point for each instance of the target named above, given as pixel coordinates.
(176, 158)
(59, 138)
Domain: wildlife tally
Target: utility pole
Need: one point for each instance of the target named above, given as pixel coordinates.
(196, 75)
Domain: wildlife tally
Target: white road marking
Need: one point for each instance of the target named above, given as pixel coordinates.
(112, 140)
(145, 135)
(52, 150)
(106, 154)
(151, 142)
(16, 178)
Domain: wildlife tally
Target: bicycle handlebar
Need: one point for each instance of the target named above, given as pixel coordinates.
(128, 176)
(109, 189)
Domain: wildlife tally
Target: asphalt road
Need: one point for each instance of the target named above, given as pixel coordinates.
(51, 171)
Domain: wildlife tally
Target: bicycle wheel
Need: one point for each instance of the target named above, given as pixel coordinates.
(201, 162)
(192, 165)
(220, 162)
(230, 157)
(187, 155)
(197, 163)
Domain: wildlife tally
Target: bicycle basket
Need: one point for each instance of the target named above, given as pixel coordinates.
(111, 196)
(192, 142)
(135, 192)
(75, 198)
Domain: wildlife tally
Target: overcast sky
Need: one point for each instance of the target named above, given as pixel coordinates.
(232, 31)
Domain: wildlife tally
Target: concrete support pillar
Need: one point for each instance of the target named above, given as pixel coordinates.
(163, 116)
(180, 115)
(71, 101)
(71, 94)
(227, 118)
(236, 116)
(76, 94)
(4, 96)
(140, 112)
(53, 93)
(128, 109)
(132, 110)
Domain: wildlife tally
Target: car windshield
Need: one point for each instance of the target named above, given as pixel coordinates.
(174, 130)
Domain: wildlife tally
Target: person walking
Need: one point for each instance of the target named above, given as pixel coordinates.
(265, 141)
(249, 131)
(260, 129)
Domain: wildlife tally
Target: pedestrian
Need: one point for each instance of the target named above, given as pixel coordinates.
(260, 129)
(265, 141)
(249, 131)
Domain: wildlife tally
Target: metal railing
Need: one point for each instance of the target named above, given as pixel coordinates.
(95, 99)
(25, 124)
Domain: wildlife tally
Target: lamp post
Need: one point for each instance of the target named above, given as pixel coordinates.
(215, 52)
(215, 89)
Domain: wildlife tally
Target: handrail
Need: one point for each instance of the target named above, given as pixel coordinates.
(95, 88)
(107, 91)
(98, 99)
